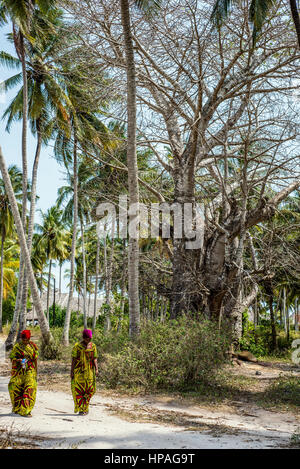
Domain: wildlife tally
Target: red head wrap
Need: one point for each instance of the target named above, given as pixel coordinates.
(26, 334)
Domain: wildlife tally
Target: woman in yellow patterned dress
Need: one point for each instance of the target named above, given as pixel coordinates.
(83, 372)
(23, 385)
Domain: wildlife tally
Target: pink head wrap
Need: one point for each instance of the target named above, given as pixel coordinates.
(87, 333)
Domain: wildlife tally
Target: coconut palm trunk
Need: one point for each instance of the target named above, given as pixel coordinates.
(20, 49)
(123, 288)
(14, 325)
(133, 247)
(107, 324)
(24, 167)
(48, 288)
(43, 323)
(296, 315)
(30, 226)
(296, 18)
(1, 274)
(65, 338)
(84, 275)
(96, 284)
(273, 322)
(60, 267)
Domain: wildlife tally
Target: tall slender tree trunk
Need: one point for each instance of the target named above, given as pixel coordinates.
(48, 289)
(43, 323)
(273, 325)
(96, 284)
(65, 337)
(41, 280)
(30, 225)
(284, 309)
(133, 247)
(123, 289)
(296, 315)
(60, 267)
(1, 274)
(89, 304)
(14, 325)
(20, 49)
(287, 316)
(84, 275)
(295, 15)
(110, 273)
(24, 170)
(107, 323)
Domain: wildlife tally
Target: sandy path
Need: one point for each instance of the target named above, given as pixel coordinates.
(54, 419)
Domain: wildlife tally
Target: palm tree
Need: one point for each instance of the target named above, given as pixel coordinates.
(6, 219)
(133, 187)
(258, 13)
(45, 93)
(86, 200)
(20, 14)
(43, 323)
(11, 254)
(39, 261)
(86, 130)
(53, 240)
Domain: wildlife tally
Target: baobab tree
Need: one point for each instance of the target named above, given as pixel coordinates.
(220, 118)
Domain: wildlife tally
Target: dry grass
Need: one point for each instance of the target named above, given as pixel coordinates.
(185, 421)
(10, 438)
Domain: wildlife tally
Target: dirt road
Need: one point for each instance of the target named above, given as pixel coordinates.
(111, 424)
(151, 422)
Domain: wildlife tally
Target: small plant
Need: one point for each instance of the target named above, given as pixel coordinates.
(285, 390)
(52, 351)
(295, 438)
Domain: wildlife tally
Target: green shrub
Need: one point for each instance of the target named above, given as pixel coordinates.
(259, 340)
(256, 340)
(52, 351)
(57, 318)
(8, 308)
(173, 355)
(284, 390)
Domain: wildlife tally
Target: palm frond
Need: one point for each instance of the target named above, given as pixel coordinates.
(9, 60)
(258, 12)
(220, 11)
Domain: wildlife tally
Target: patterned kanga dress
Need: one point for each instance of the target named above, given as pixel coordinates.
(23, 385)
(83, 384)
